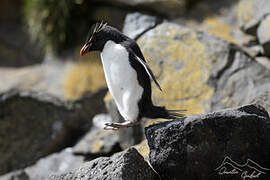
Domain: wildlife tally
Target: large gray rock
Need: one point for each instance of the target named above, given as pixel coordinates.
(251, 12)
(127, 165)
(33, 125)
(52, 164)
(98, 141)
(241, 81)
(137, 24)
(200, 72)
(263, 99)
(195, 147)
(263, 34)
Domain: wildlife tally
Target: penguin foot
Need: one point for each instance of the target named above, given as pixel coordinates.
(116, 126)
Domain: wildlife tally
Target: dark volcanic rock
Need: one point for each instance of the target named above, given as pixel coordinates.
(195, 146)
(33, 125)
(127, 165)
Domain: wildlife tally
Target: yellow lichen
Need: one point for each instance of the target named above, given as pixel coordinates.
(86, 75)
(214, 25)
(245, 11)
(143, 149)
(97, 146)
(184, 88)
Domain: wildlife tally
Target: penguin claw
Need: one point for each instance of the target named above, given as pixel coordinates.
(116, 126)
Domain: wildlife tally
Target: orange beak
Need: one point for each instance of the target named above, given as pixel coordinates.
(84, 49)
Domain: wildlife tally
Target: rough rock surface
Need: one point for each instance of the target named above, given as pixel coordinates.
(98, 141)
(195, 146)
(263, 34)
(263, 99)
(137, 24)
(198, 71)
(52, 164)
(127, 165)
(67, 80)
(23, 116)
(250, 14)
(243, 75)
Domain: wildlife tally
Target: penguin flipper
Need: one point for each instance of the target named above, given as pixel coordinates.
(148, 70)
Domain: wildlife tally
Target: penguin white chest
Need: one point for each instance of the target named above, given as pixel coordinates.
(121, 79)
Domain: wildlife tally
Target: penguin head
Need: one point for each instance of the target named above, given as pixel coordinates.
(97, 37)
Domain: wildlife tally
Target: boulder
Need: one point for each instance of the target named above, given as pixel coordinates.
(55, 163)
(136, 24)
(67, 79)
(127, 165)
(183, 60)
(250, 14)
(198, 71)
(98, 141)
(263, 34)
(263, 99)
(242, 75)
(201, 146)
(33, 125)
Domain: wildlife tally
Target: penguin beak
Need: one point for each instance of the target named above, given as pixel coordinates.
(84, 49)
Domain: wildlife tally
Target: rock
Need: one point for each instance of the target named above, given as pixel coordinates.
(66, 80)
(52, 164)
(183, 60)
(136, 24)
(33, 125)
(126, 165)
(242, 75)
(215, 17)
(198, 71)
(263, 99)
(194, 147)
(263, 34)
(263, 61)
(98, 141)
(250, 14)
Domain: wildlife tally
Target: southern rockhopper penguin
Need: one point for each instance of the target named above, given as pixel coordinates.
(127, 75)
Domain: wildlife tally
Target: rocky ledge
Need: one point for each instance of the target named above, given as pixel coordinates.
(198, 146)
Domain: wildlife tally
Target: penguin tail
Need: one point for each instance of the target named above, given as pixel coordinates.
(162, 112)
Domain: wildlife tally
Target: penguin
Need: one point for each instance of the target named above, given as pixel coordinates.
(127, 75)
